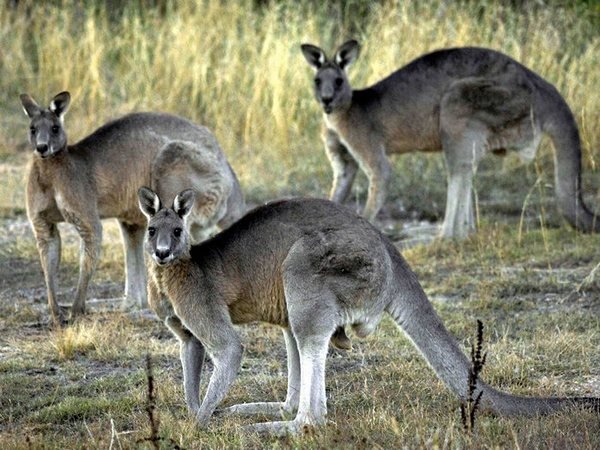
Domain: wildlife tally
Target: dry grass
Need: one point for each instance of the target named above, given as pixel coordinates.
(381, 394)
(237, 68)
(86, 384)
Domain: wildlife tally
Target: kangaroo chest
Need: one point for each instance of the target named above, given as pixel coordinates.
(261, 299)
(256, 298)
(174, 283)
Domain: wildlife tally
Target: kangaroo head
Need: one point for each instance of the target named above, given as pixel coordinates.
(166, 238)
(46, 131)
(331, 84)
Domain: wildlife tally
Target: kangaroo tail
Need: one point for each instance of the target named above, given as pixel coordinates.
(562, 129)
(415, 315)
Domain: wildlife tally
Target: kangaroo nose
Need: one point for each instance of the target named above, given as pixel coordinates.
(326, 100)
(162, 253)
(42, 148)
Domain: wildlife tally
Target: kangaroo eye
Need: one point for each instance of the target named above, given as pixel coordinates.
(55, 129)
(339, 82)
(317, 82)
(151, 231)
(177, 232)
(32, 130)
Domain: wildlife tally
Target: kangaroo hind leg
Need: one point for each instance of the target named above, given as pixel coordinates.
(479, 115)
(462, 155)
(312, 311)
(180, 165)
(135, 270)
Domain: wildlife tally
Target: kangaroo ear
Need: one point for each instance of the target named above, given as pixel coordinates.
(60, 104)
(314, 55)
(347, 53)
(148, 201)
(30, 106)
(183, 203)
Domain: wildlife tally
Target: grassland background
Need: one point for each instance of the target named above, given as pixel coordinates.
(236, 67)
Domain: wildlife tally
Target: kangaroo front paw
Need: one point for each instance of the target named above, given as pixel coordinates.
(59, 317)
(340, 340)
(77, 310)
(129, 304)
(202, 419)
(177, 328)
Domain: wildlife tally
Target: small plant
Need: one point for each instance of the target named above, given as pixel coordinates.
(151, 405)
(154, 437)
(468, 408)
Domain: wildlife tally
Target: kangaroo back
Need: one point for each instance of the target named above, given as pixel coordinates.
(182, 164)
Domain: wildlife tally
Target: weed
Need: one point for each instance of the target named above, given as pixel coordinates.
(468, 408)
(154, 439)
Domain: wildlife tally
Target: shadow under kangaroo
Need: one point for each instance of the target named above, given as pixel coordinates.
(98, 178)
(465, 101)
(310, 267)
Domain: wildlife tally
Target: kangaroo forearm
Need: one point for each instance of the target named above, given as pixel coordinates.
(226, 368)
(192, 360)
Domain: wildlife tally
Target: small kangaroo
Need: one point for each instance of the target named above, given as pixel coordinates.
(465, 101)
(98, 178)
(309, 266)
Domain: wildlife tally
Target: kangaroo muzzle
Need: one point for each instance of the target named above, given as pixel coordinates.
(162, 254)
(42, 149)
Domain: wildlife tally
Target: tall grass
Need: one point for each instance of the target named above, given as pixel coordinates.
(237, 68)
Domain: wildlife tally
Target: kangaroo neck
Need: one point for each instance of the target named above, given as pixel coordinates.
(179, 265)
(337, 119)
(51, 166)
(347, 122)
(171, 277)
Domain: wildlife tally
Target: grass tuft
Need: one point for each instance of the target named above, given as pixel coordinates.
(75, 340)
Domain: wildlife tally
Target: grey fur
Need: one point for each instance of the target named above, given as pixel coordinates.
(310, 267)
(465, 101)
(98, 178)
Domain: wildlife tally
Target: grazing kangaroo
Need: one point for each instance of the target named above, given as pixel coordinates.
(464, 101)
(98, 178)
(310, 267)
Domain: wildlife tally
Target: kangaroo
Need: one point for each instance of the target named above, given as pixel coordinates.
(98, 178)
(465, 101)
(309, 266)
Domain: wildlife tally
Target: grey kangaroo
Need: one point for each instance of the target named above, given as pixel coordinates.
(464, 101)
(98, 178)
(309, 266)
